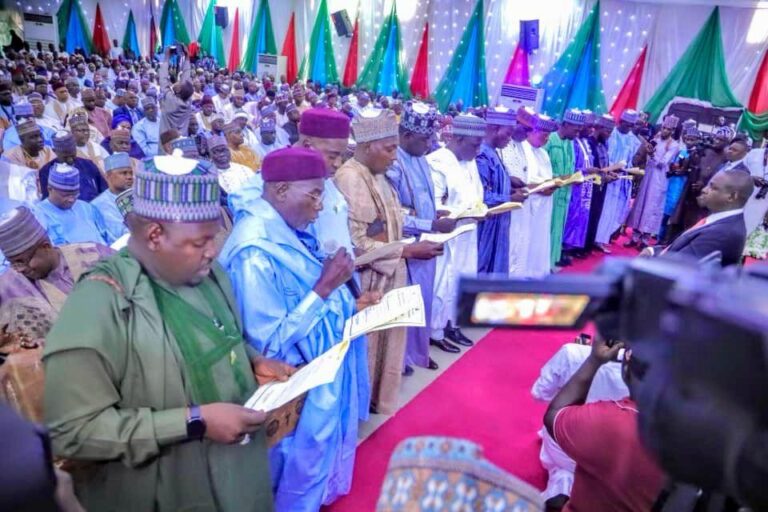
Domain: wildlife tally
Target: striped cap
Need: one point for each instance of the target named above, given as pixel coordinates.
(120, 160)
(176, 189)
(630, 116)
(605, 121)
(575, 116)
(124, 202)
(64, 177)
(468, 125)
(526, 116)
(19, 232)
(544, 123)
(501, 116)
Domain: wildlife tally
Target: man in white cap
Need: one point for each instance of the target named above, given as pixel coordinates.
(458, 188)
(67, 219)
(530, 247)
(119, 174)
(232, 176)
(648, 208)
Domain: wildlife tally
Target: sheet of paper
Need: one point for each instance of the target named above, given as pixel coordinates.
(393, 305)
(504, 208)
(441, 238)
(321, 370)
(385, 251)
(541, 187)
(475, 212)
(636, 171)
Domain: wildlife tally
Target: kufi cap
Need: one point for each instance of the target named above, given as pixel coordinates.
(267, 125)
(72, 80)
(224, 88)
(589, 117)
(119, 160)
(689, 122)
(419, 117)
(691, 131)
(124, 202)
(468, 125)
(605, 121)
(207, 100)
(574, 116)
(291, 107)
(24, 110)
(187, 146)
(119, 118)
(19, 232)
(64, 177)
(526, 116)
(268, 110)
(176, 189)
(374, 124)
(670, 122)
(241, 115)
(78, 118)
(501, 116)
(63, 140)
(148, 101)
(34, 96)
(293, 164)
(26, 127)
(58, 84)
(630, 116)
(215, 141)
(120, 92)
(231, 127)
(87, 93)
(281, 96)
(120, 134)
(725, 132)
(323, 123)
(217, 115)
(544, 123)
(238, 93)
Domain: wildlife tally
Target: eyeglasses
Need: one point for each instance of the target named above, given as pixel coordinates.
(317, 198)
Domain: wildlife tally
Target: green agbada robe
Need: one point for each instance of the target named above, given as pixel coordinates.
(116, 392)
(563, 163)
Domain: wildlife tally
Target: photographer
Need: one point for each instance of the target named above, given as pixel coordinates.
(613, 470)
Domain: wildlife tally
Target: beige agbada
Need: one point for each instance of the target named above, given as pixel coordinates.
(372, 202)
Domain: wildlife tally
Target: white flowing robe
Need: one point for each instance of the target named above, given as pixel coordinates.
(529, 246)
(754, 210)
(457, 188)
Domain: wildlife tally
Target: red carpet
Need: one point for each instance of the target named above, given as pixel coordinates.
(484, 397)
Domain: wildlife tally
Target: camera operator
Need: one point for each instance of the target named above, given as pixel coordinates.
(613, 470)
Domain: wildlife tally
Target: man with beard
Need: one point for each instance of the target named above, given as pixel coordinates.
(167, 431)
(120, 178)
(146, 132)
(32, 152)
(98, 117)
(86, 148)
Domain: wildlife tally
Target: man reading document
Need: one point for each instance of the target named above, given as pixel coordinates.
(294, 302)
(153, 337)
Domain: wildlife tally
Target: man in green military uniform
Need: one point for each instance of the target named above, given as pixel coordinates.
(560, 150)
(146, 367)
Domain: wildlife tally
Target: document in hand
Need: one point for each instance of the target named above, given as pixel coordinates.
(504, 208)
(321, 370)
(441, 238)
(382, 252)
(478, 211)
(398, 308)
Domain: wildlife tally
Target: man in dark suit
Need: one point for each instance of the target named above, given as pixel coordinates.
(723, 229)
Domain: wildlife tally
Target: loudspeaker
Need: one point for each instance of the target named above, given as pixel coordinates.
(529, 35)
(222, 17)
(342, 23)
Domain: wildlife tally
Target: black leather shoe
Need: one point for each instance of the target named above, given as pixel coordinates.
(408, 371)
(565, 261)
(445, 346)
(456, 336)
(432, 364)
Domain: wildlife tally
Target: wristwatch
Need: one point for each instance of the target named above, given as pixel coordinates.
(195, 423)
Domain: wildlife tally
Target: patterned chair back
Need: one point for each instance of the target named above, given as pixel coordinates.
(446, 474)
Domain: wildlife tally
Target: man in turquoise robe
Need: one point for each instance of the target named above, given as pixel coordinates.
(294, 305)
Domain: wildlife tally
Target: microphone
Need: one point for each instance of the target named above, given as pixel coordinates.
(331, 247)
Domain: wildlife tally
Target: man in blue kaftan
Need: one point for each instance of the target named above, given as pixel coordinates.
(294, 305)
(411, 177)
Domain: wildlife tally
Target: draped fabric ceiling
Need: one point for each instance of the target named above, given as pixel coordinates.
(627, 26)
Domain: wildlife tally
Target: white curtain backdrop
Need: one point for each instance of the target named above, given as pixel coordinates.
(626, 26)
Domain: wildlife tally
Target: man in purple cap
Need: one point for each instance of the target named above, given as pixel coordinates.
(66, 218)
(290, 290)
(92, 182)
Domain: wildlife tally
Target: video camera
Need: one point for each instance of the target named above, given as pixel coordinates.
(699, 334)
